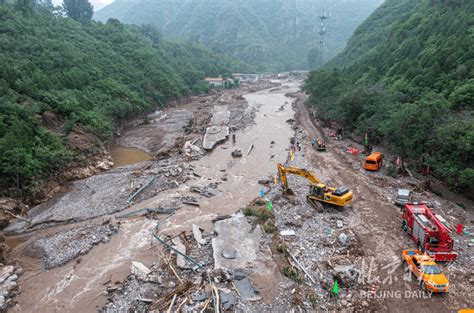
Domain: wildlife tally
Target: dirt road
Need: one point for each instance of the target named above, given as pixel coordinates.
(377, 223)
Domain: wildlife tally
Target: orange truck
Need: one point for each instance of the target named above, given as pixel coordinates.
(374, 161)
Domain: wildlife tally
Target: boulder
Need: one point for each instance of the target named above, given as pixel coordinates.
(237, 153)
(140, 271)
(342, 239)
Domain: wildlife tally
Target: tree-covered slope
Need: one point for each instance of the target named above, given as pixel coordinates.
(269, 35)
(411, 87)
(90, 75)
(372, 32)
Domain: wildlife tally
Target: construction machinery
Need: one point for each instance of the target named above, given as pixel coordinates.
(425, 270)
(428, 230)
(320, 145)
(319, 193)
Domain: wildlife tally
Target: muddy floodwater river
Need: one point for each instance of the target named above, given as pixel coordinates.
(125, 155)
(78, 286)
(270, 136)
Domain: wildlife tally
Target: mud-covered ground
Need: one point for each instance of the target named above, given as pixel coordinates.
(82, 237)
(200, 234)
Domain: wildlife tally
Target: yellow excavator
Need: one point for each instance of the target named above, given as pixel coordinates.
(319, 193)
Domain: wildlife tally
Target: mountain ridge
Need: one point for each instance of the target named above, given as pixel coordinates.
(276, 35)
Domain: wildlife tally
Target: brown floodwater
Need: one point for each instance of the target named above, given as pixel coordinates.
(126, 155)
(79, 286)
(270, 136)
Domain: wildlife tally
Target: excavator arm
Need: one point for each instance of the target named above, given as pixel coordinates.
(282, 171)
(319, 192)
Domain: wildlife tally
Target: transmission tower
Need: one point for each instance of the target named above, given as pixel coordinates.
(322, 31)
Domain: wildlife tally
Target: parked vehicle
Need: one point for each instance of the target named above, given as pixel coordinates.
(403, 197)
(426, 271)
(374, 161)
(429, 231)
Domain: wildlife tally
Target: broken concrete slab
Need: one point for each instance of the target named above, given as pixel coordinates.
(235, 234)
(238, 275)
(215, 135)
(140, 271)
(220, 115)
(246, 290)
(207, 191)
(228, 299)
(219, 131)
(178, 245)
(198, 235)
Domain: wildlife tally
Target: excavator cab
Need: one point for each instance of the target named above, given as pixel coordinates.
(318, 190)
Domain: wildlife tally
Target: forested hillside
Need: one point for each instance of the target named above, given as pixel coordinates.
(268, 35)
(406, 78)
(90, 75)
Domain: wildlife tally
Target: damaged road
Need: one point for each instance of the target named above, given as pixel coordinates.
(228, 236)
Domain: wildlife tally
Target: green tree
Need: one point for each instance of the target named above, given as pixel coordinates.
(79, 10)
(26, 6)
(314, 58)
(406, 78)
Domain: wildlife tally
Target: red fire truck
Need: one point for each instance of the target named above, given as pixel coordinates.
(429, 231)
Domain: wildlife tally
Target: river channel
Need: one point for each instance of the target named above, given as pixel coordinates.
(78, 286)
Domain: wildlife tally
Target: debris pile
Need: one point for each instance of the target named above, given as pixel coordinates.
(8, 284)
(9, 209)
(191, 150)
(201, 270)
(63, 247)
(207, 191)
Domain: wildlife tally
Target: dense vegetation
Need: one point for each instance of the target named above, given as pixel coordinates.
(89, 74)
(268, 35)
(406, 78)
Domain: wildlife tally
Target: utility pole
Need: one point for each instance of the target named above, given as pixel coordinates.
(322, 31)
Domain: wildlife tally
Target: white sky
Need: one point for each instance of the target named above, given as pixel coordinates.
(98, 4)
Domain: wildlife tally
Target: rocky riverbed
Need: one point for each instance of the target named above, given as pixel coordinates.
(196, 229)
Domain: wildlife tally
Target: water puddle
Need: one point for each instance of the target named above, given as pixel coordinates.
(13, 242)
(126, 156)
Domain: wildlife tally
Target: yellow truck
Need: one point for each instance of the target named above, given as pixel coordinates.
(426, 270)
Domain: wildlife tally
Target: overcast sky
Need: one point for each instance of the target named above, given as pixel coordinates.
(98, 4)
